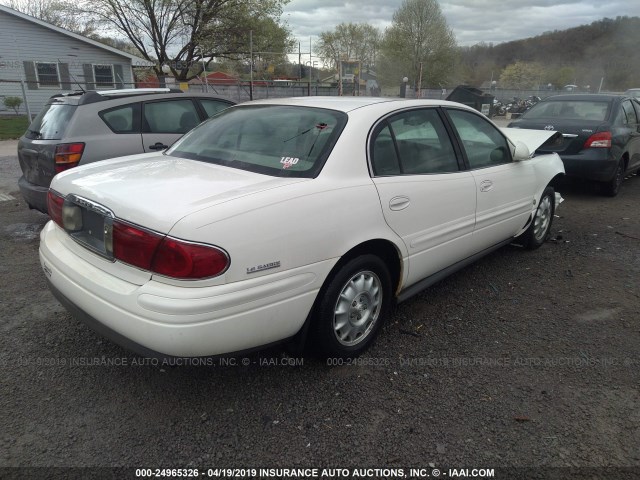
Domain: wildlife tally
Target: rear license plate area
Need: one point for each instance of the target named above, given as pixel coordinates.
(89, 224)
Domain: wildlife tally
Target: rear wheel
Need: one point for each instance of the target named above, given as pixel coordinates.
(351, 308)
(612, 187)
(540, 228)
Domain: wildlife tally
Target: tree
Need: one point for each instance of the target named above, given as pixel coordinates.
(13, 103)
(181, 33)
(61, 13)
(418, 34)
(522, 75)
(356, 41)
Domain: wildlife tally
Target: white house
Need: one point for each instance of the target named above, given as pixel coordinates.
(43, 60)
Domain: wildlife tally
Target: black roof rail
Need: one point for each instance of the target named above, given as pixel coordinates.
(93, 96)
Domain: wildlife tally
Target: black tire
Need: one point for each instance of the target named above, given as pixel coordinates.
(362, 288)
(612, 187)
(540, 228)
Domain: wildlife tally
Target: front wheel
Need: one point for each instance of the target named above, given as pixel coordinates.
(540, 228)
(351, 308)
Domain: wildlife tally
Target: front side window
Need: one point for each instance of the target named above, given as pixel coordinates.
(414, 142)
(277, 140)
(483, 143)
(171, 116)
(48, 74)
(103, 75)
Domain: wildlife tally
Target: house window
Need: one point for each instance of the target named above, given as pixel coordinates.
(103, 75)
(48, 74)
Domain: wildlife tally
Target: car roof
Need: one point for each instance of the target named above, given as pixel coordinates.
(347, 104)
(92, 96)
(584, 97)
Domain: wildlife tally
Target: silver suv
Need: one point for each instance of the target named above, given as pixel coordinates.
(83, 127)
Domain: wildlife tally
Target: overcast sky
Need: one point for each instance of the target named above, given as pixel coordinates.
(472, 21)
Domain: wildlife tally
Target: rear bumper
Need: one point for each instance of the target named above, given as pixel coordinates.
(34, 195)
(591, 164)
(160, 320)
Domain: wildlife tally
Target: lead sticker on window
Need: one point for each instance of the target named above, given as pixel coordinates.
(289, 161)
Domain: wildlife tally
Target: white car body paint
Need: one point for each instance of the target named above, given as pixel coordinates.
(305, 224)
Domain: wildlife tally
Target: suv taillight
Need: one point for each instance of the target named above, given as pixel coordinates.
(165, 255)
(67, 156)
(599, 140)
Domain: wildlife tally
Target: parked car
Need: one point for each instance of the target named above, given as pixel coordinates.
(298, 219)
(600, 135)
(633, 92)
(83, 127)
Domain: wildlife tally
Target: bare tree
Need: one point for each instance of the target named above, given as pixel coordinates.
(181, 33)
(355, 41)
(419, 34)
(61, 13)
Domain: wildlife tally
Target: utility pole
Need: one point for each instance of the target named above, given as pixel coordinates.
(299, 63)
(250, 64)
(419, 92)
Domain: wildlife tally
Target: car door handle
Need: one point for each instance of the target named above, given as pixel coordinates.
(399, 203)
(486, 186)
(158, 146)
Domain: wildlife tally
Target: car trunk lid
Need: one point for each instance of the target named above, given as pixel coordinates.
(155, 191)
(574, 135)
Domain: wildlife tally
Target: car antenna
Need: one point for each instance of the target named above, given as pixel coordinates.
(74, 79)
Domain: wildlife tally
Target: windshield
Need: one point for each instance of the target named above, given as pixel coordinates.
(51, 122)
(569, 109)
(283, 141)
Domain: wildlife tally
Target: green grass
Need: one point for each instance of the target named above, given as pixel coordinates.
(12, 126)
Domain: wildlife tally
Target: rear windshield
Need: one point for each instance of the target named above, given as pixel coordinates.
(283, 141)
(570, 109)
(51, 122)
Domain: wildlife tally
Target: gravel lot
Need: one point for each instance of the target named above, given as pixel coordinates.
(525, 359)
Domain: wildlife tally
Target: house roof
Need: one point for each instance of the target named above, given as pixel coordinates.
(137, 61)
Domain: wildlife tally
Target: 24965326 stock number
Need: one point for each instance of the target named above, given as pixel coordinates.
(167, 472)
(358, 362)
(195, 472)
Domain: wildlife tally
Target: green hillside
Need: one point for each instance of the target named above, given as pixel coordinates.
(607, 50)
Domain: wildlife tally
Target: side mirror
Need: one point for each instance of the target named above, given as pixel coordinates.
(521, 152)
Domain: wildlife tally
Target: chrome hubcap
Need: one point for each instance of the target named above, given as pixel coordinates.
(543, 218)
(357, 308)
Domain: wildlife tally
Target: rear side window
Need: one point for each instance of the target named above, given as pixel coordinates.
(171, 116)
(51, 122)
(213, 107)
(122, 119)
(413, 143)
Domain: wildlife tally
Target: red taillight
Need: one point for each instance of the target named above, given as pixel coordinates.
(54, 206)
(166, 256)
(599, 140)
(178, 259)
(133, 245)
(67, 155)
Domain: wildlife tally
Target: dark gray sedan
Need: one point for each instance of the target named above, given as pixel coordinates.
(600, 135)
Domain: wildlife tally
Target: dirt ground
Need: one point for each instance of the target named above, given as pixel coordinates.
(524, 359)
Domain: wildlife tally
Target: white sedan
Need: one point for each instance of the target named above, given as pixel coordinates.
(301, 218)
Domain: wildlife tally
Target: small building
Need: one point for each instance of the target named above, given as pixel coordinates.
(46, 60)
